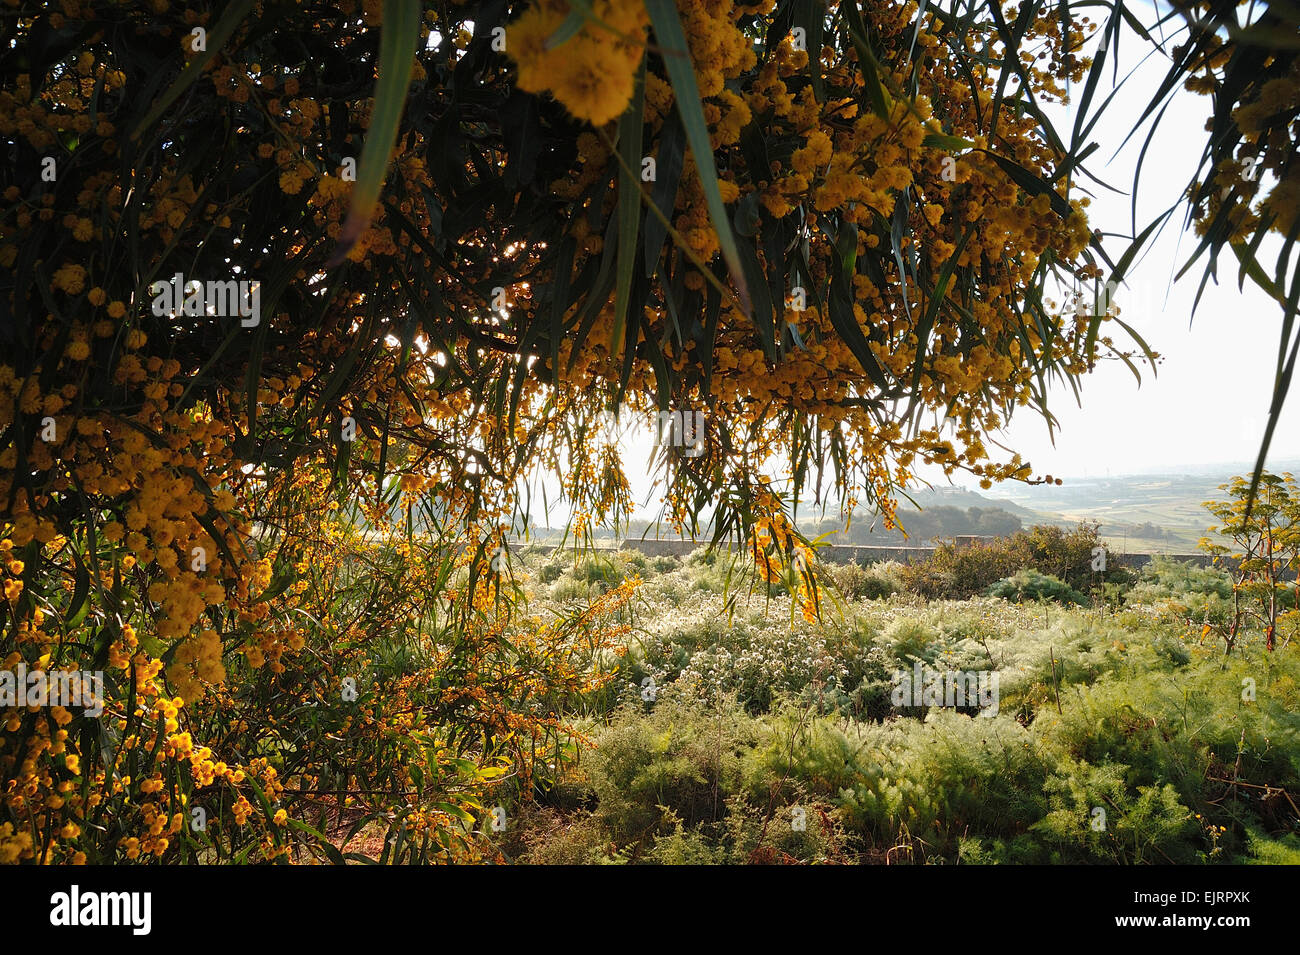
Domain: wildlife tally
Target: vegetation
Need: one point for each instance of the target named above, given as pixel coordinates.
(1120, 737)
(1265, 535)
(297, 300)
(924, 525)
(1029, 584)
(956, 571)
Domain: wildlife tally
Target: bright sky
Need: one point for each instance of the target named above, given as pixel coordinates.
(1209, 402)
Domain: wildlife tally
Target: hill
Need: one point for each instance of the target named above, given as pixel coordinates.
(1155, 511)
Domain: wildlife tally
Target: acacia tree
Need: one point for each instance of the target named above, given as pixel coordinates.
(1265, 535)
(834, 230)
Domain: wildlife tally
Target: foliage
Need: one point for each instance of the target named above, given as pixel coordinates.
(349, 683)
(871, 582)
(968, 569)
(1200, 595)
(923, 525)
(1265, 534)
(1153, 729)
(1029, 584)
(241, 517)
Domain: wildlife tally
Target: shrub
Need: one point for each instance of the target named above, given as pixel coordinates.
(864, 583)
(702, 555)
(600, 571)
(958, 572)
(717, 572)
(551, 839)
(1166, 577)
(673, 759)
(954, 572)
(909, 639)
(1185, 591)
(631, 561)
(910, 789)
(1096, 817)
(1031, 585)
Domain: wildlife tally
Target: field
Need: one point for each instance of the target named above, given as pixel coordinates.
(1127, 505)
(735, 730)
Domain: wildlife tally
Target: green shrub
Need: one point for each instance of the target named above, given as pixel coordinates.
(1095, 817)
(714, 571)
(631, 561)
(1064, 554)
(1185, 590)
(671, 759)
(567, 588)
(1192, 728)
(1166, 577)
(910, 789)
(684, 846)
(957, 572)
(1031, 585)
(864, 583)
(759, 711)
(1263, 850)
(604, 572)
(707, 556)
(909, 639)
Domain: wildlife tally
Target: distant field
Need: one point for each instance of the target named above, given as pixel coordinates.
(1173, 503)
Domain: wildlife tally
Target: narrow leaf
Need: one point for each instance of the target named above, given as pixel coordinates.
(400, 32)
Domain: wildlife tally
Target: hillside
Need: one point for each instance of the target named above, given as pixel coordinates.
(1154, 511)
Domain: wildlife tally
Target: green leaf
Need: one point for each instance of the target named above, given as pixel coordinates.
(763, 311)
(1116, 277)
(631, 127)
(401, 31)
(932, 308)
(811, 16)
(677, 60)
(568, 29)
(944, 141)
(1250, 266)
(599, 294)
(1034, 185)
(331, 851)
(845, 322)
(80, 604)
(559, 303)
(866, 59)
(668, 173)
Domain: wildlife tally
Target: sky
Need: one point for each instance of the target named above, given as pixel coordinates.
(1206, 404)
